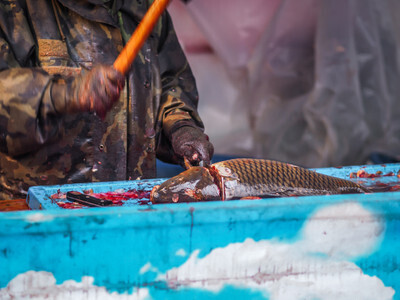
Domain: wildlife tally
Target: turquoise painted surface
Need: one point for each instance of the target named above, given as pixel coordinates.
(253, 249)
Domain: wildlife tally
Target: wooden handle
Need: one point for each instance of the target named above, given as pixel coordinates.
(136, 41)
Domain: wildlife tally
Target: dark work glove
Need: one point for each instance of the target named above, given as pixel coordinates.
(191, 143)
(93, 91)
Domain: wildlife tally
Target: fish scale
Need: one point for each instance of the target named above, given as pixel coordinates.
(269, 178)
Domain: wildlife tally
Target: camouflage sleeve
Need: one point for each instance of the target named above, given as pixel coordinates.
(27, 117)
(179, 100)
(17, 44)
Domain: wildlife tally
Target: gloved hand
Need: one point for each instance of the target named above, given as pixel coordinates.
(93, 91)
(192, 143)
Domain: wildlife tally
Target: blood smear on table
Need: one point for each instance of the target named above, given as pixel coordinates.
(117, 197)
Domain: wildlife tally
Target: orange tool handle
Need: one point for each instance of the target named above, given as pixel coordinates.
(136, 41)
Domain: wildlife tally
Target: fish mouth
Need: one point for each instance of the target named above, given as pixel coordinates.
(154, 194)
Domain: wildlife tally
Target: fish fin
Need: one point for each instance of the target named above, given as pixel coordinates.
(187, 163)
(378, 189)
(272, 195)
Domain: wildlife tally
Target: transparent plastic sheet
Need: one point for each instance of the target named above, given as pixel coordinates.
(318, 81)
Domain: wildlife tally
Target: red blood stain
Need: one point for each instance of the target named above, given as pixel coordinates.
(364, 174)
(118, 198)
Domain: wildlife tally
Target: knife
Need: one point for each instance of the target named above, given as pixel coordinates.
(87, 199)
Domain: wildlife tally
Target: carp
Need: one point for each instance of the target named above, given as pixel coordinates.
(246, 178)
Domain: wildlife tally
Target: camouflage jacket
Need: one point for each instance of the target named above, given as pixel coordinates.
(41, 40)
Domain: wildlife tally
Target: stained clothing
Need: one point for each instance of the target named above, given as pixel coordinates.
(42, 42)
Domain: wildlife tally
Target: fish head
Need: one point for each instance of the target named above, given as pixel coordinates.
(193, 185)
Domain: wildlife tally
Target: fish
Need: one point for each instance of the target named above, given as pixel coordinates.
(248, 178)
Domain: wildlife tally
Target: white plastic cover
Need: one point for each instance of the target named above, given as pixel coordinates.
(318, 80)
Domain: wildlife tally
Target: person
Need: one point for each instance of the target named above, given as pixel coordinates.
(67, 116)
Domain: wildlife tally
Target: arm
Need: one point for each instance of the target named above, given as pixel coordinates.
(183, 131)
(24, 124)
(32, 102)
(27, 115)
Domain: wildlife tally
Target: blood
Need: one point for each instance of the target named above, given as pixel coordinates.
(70, 205)
(384, 187)
(375, 185)
(117, 197)
(395, 188)
(59, 195)
(364, 174)
(218, 180)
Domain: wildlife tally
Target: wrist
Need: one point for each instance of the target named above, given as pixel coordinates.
(64, 96)
(58, 96)
(179, 125)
